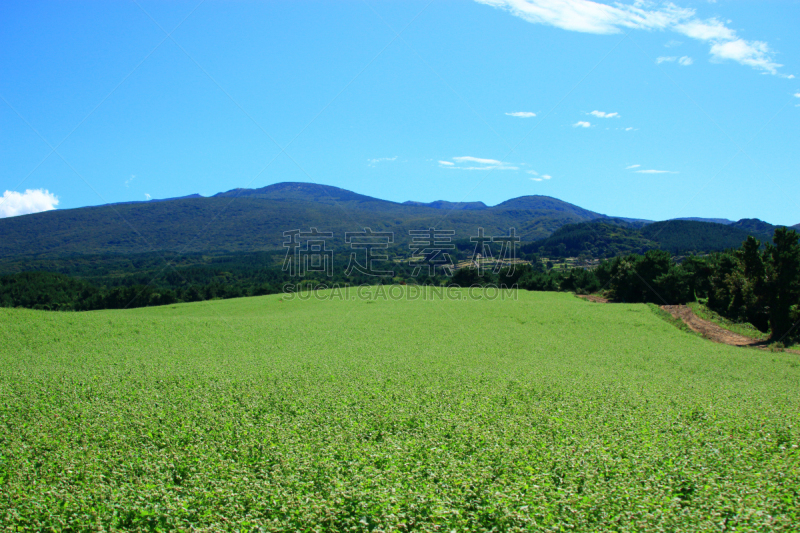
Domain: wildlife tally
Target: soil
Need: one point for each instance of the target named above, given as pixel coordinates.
(708, 329)
(595, 299)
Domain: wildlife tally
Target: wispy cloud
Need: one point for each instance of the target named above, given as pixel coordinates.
(631, 128)
(684, 61)
(546, 176)
(632, 166)
(476, 163)
(536, 179)
(756, 54)
(147, 196)
(470, 159)
(521, 114)
(533, 172)
(129, 180)
(373, 162)
(797, 95)
(655, 172)
(582, 124)
(601, 114)
(31, 201)
(593, 17)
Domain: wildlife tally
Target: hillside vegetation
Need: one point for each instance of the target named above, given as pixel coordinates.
(606, 238)
(425, 415)
(255, 219)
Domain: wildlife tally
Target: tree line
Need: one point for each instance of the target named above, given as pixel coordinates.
(757, 283)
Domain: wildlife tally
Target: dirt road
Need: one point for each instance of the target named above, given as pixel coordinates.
(591, 298)
(708, 329)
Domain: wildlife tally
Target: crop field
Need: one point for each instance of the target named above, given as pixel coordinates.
(544, 413)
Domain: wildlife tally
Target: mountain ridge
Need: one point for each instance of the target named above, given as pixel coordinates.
(240, 220)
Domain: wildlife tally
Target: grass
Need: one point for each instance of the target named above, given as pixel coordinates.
(546, 413)
(746, 329)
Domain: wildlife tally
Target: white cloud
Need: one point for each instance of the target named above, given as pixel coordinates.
(632, 166)
(373, 162)
(582, 124)
(655, 172)
(31, 201)
(672, 44)
(797, 95)
(601, 114)
(146, 196)
(129, 180)
(686, 61)
(706, 30)
(593, 17)
(521, 114)
(668, 59)
(463, 163)
(629, 129)
(539, 178)
(753, 53)
(470, 159)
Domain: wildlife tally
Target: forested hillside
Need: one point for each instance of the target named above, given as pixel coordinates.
(254, 220)
(607, 238)
(251, 220)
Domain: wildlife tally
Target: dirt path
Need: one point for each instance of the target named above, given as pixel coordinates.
(708, 329)
(591, 298)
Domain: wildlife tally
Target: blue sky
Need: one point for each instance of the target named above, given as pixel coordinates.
(637, 109)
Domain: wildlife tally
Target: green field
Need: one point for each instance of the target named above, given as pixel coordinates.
(547, 413)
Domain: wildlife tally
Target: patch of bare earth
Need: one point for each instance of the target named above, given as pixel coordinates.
(596, 299)
(708, 329)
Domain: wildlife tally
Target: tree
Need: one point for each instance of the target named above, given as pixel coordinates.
(782, 281)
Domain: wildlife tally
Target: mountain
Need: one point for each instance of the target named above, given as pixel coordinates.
(714, 220)
(309, 192)
(250, 220)
(443, 204)
(602, 238)
(546, 203)
(757, 228)
(692, 236)
(158, 200)
(242, 220)
(605, 238)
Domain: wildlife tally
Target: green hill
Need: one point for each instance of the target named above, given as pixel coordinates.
(688, 236)
(757, 228)
(600, 239)
(605, 238)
